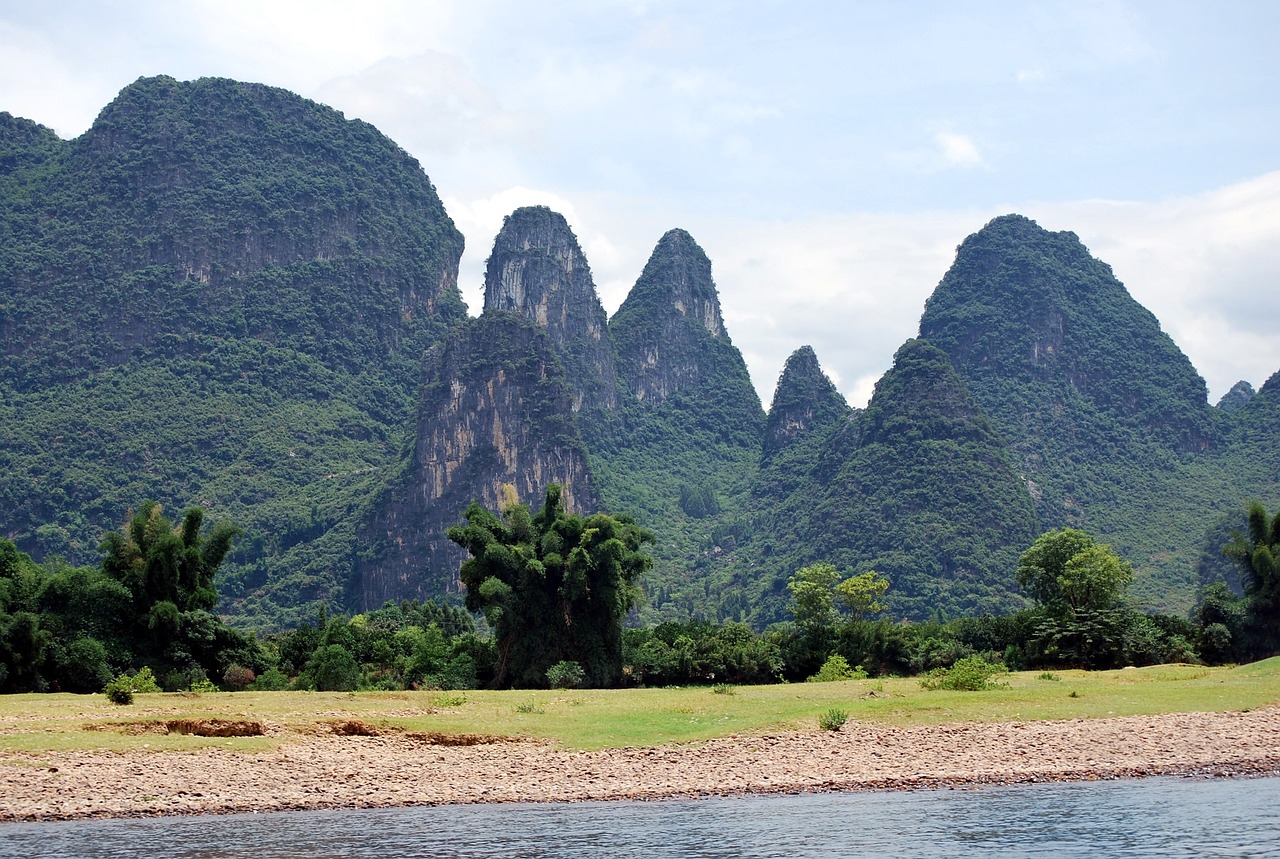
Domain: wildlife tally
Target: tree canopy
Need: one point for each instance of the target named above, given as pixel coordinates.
(554, 587)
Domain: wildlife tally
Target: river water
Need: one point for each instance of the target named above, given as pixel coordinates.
(1151, 817)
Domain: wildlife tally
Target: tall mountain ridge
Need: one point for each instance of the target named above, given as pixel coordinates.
(227, 295)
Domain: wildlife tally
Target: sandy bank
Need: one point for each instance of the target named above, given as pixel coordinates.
(386, 771)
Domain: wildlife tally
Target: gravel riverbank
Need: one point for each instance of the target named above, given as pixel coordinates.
(335, 771)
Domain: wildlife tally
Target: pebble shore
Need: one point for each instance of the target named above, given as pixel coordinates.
(334, 771)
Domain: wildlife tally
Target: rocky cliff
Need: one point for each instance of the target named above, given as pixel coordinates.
(538, 271)
(680, 451)
(495, 423)
(670, 316)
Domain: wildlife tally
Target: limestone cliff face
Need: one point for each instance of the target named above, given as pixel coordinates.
(538, 271)
(804, 401)
(666, 328)
(496, 410)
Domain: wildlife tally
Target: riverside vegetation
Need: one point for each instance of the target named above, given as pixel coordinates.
(554, 589)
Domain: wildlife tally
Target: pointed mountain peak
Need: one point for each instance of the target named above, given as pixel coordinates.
(1028, 313)
(804, 400)
(538, 271)
(1236, 398)
(676, 281)
(923, 390)
(669, 334)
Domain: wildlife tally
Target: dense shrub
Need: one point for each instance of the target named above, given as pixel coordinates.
(970, 674)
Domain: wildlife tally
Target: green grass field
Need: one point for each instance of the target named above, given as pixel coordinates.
(592, 719)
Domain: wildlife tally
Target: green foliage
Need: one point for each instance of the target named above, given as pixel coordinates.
(330, 669)
(122, 689)
(118, 693)
(271, 680)
(566, 675)
(724, 689)
(201, 686)
(918, 487)
(224, 291)
(553, 587)
(837, 668)
(812, 596)
(1065, 570)
(694, 652)
(682, 446)
(833, 720)
(1246, 627)
(970, 674)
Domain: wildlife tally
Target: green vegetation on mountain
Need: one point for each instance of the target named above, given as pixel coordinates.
(917, 487)
(681, 448)
(224, 294)
(1104, 416)
(220, 291)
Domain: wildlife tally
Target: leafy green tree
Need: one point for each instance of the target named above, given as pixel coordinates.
(159, 562)
(1257, 552)
(813, 602)
(553, 587)
(863, 595)
(1066, 569)
(1080, 587)
(332, 668)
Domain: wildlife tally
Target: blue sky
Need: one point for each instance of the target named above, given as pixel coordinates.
(828, 156)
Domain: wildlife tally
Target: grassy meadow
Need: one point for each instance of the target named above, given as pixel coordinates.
(593, 719)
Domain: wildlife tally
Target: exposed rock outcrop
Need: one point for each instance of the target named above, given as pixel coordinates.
(537, 270)
(668, 321)
(496, 411)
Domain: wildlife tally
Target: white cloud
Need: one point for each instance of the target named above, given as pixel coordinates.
(950, 150)
(38, 84)
(958, 149)
(1207, 265)
(432, 103)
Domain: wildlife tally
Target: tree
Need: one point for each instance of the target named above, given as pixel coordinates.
(1079, 586)
(553, 587)
(862, 595)
(813, 596)
(1257, 553)
(169, 573)
(332, 668)
(1065, 569)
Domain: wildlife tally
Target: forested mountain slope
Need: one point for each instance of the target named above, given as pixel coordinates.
(219, 294)
(1104, 416)
(226, 295)
(680, 449)
(917, 487)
